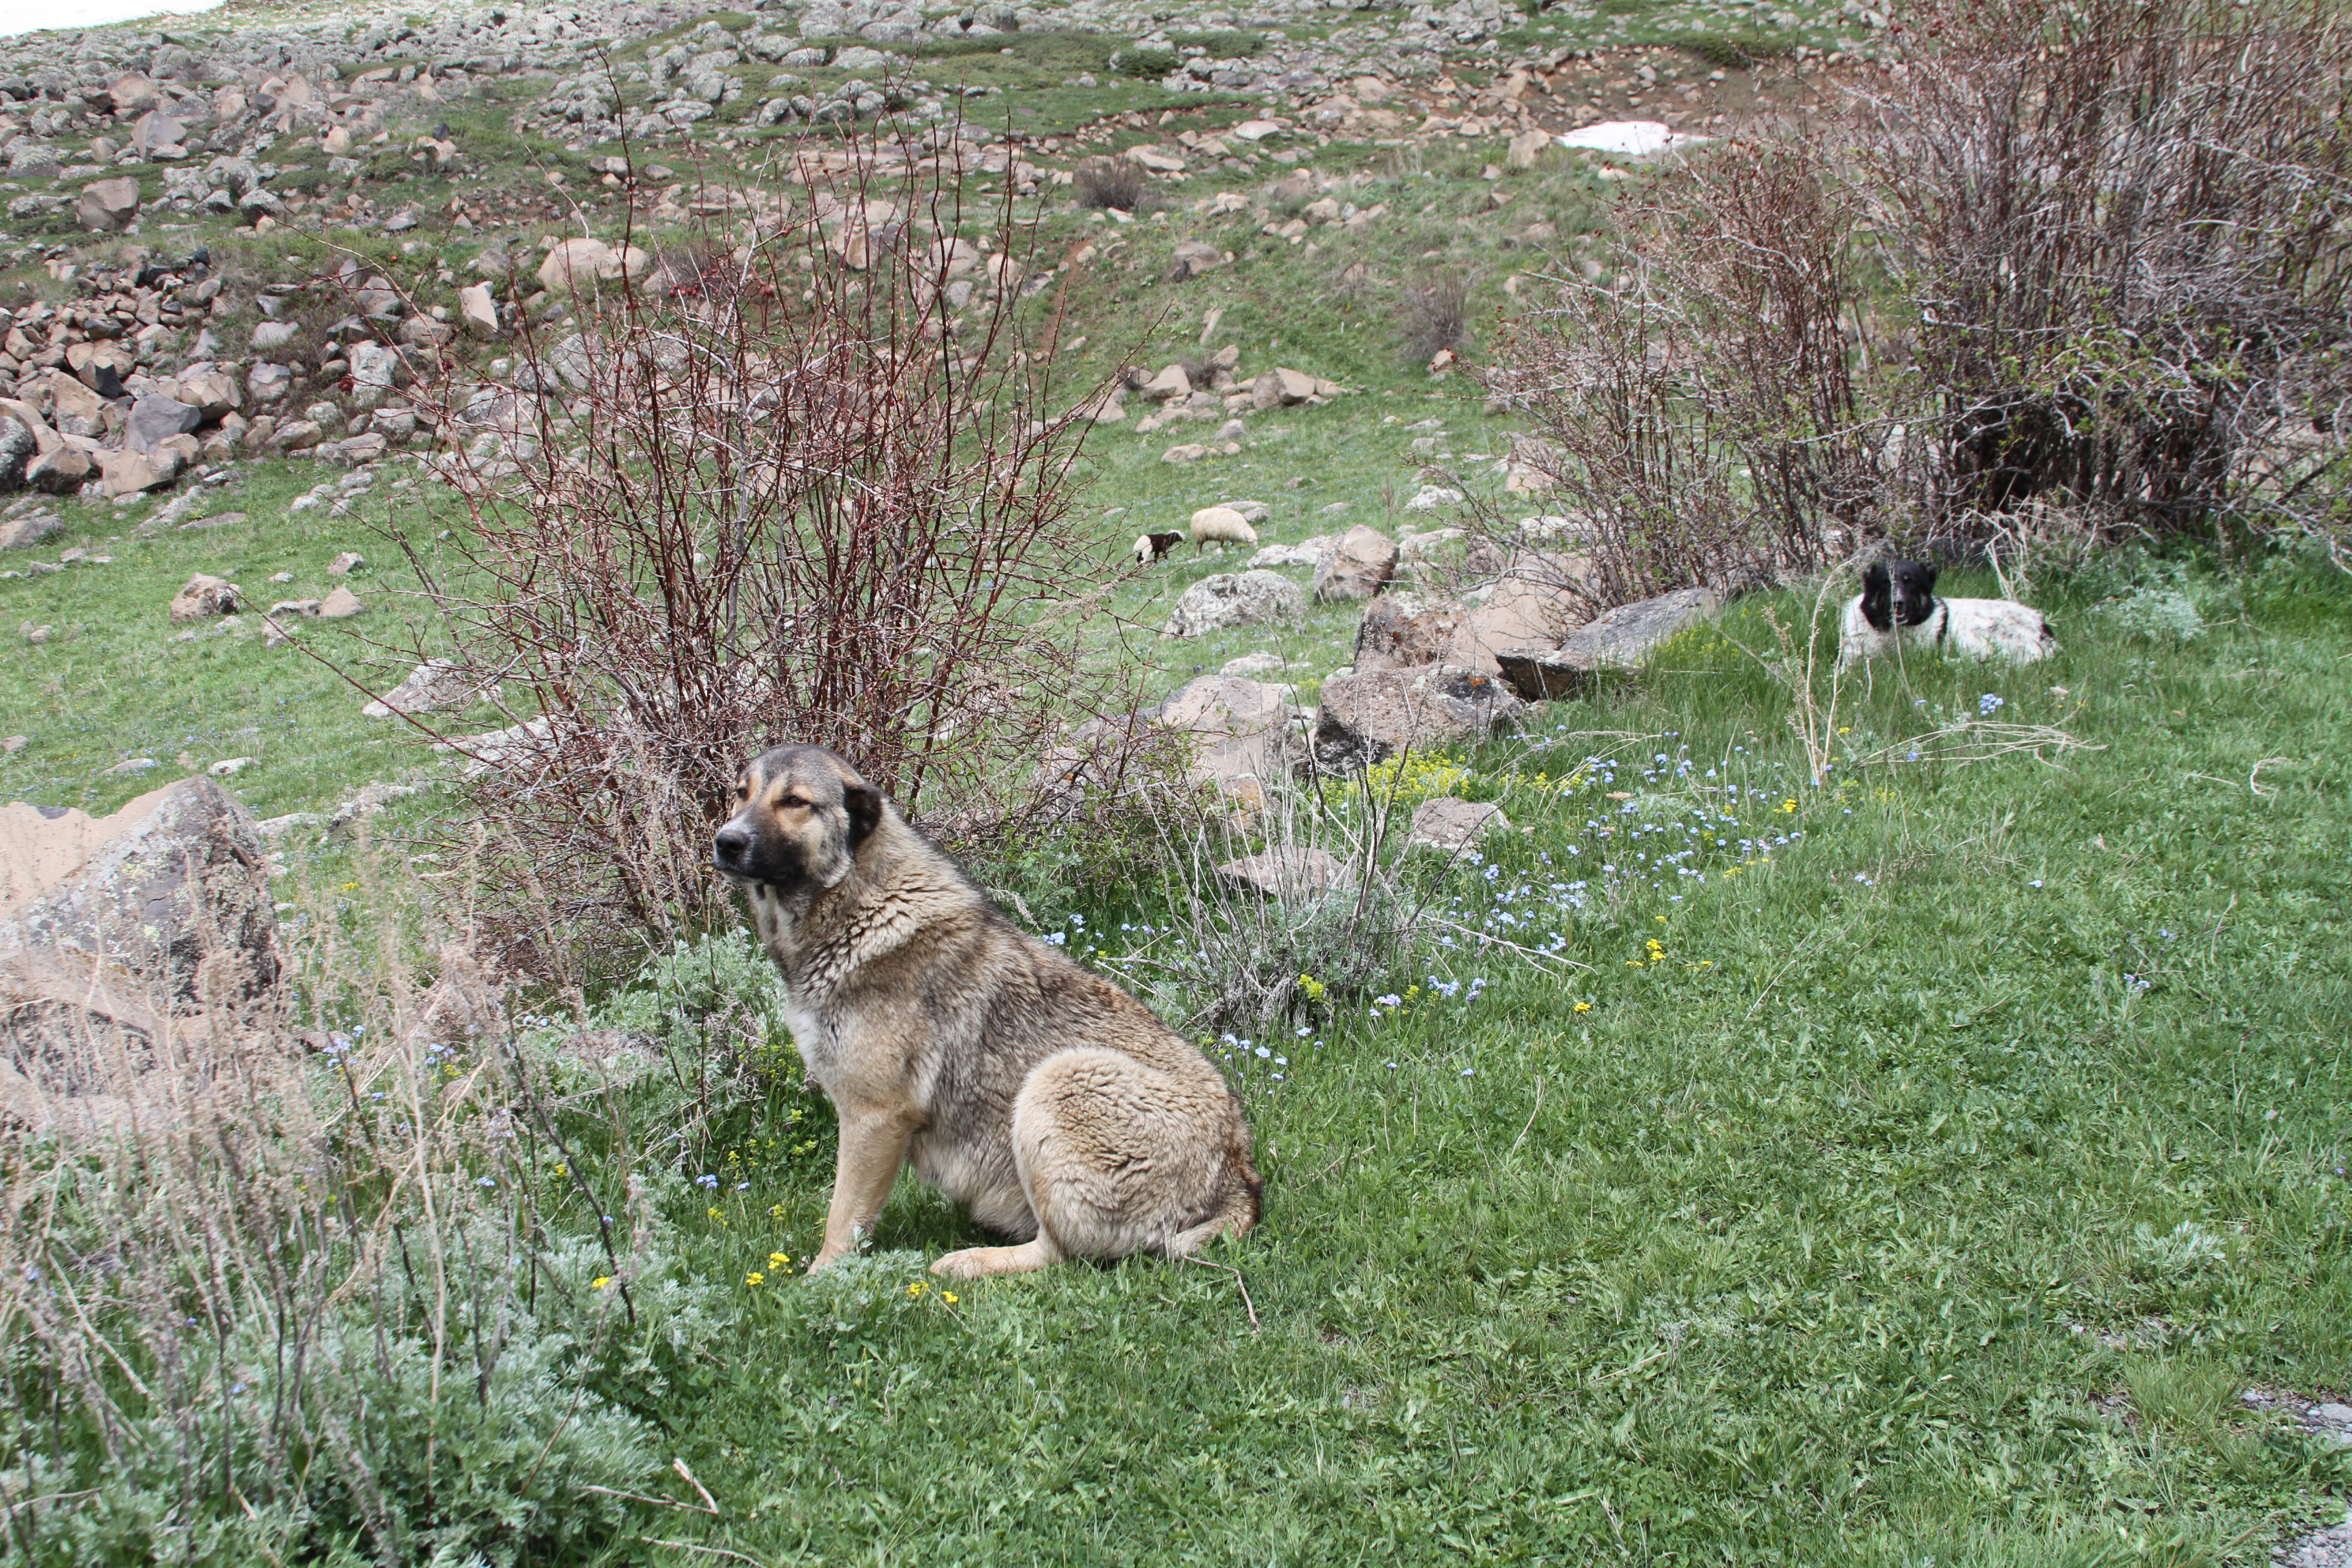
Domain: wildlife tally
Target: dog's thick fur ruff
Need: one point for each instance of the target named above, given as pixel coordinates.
(1049, 1100)
(1897, 612)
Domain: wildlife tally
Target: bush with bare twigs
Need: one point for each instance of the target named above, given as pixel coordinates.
(1435, 317)
(2083, 268)
(799, 496)
(1110, 183)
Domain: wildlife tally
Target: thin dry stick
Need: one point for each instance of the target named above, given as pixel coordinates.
(1532, 1121)
(1247, 1305)
(697, 1546)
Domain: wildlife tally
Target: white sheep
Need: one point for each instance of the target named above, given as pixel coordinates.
(1221, 525)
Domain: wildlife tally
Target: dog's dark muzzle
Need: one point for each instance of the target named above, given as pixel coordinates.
(730, 850)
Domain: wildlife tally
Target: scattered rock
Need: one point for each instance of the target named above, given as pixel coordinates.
(344, 564)
(436, 683)
(1241, 727)
(109, 205)
(1402, 632)
(1429, 498)
(340, 604)
(1234, 599)
(61, 471)
(1370, 716)
(155, 418)
(174, 888)
(1453, 825)
(1291, 874)
(1252, 665)
(229, 767)
(1359, 568)
(204, 597)
(1620, 639)
(479, 312)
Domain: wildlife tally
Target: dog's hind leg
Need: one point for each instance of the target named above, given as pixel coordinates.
(978, 1262)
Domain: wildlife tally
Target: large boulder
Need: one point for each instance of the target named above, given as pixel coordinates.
(1234, 599)
(1620, 639)
(436, 683)
(1289, 873)
(1240, 729)
(1453, 825)
(1361, 565)
(155, 418)
(17, 448)
(128, 472)
(479, 311)
(209, 390)
(107, 205)
(174, 888)
(59, 471)
(1369, 717)
(1400, 631)
(204, 597)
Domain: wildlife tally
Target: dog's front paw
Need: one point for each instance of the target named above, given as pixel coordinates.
(978, 1262)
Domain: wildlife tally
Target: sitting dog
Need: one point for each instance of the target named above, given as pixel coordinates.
(1150, 547)
(1049, 1100)
(1897, 610)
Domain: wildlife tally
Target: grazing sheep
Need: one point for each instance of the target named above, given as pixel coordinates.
(1221, 525)
(1897, 608)
(1150, 547)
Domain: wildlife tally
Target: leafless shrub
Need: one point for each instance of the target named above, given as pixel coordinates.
(799, 495)
(1436, 316)
(2118, 229)
(1112, 183)
(1699, 408)
(2082, 269)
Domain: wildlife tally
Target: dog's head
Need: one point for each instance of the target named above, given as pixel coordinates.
(800, 813)
(1894, 591)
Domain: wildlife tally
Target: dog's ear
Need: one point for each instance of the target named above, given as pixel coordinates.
(864, 804)
(1927, 569)
(1878, 597)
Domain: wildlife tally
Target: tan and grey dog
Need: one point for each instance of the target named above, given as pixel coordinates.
(1051, 1101)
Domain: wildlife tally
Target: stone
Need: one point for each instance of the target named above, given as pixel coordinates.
(205, 596)
(17, 448)
(1185, 452)
(1367, 718)
(57, 472)
(1171, 383)
(45, 439)
(267, 382)
(155, 418)
(1453, 825)
(294, 436)
(1526, 148)
(1195, 256)
(212, 392)
(1544, 674)
(169, 898)
(1241, 731)
(107, 205)
(344, 564)
(1308, 552)
(1288, 873)
(1292, 387)
(1430, 498)
(1359, 568)
(128, 472)
(270, 335)
(376, 367)
(159, 137)
(479, 312)
(340, 604)
(1623, 636)
(1234, 599)
(354, 450)
(574, 263)
(436, 683)
(1253, 665)
(25, 531)
(1402, 632)
(32, 160)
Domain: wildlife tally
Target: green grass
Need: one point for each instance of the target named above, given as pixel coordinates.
(1873, 1216)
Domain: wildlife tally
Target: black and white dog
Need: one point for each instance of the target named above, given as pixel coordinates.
(1897, 610)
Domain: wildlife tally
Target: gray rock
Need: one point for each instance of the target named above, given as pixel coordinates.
(270, 335)
(436, 683)
(1241, 731)
(107, 205)
(155, 418)
(203, 597)
(2329, 1548)
(1620, 639)
(1453, 825)
(1289, 873)
(1234, 599)
(1361, 565)
(65, 468)
(1367, 717)
(178, 895)
(25, 531)
(31, 160)
(17, 449)
(1402, 632)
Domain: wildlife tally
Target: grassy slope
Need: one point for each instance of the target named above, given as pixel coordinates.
(1831, 1236)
